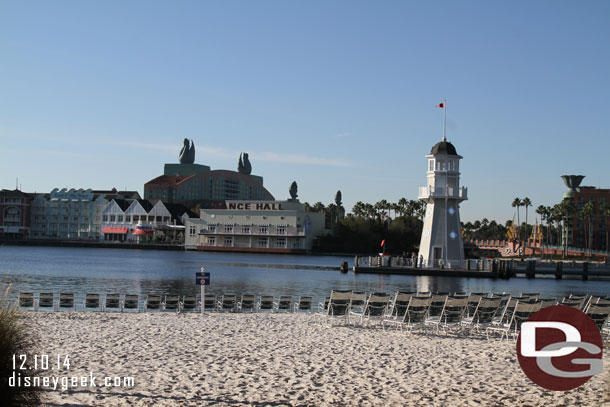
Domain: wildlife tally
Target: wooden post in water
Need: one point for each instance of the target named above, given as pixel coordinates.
(558, 270)
(585, 271)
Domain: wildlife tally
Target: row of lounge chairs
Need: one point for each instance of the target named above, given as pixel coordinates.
(186, 303)
(460, 313)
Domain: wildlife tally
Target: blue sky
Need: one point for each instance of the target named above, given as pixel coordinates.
(335, 95)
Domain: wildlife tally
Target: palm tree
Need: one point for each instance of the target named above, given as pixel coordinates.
(526, 202)
(358, 209)
(566, 211)
(402, 202)
(544, 216)
(588, 210)
(318, 207)
(605, 210)
(517, 203)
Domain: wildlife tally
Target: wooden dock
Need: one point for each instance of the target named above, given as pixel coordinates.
(436, 272)
(505, 269)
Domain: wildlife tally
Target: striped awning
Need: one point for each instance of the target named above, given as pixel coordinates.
(109, 229)
(143, 232)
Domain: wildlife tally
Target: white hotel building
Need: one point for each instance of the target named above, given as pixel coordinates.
(255, 226)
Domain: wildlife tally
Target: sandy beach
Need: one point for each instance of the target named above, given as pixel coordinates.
(284, 360)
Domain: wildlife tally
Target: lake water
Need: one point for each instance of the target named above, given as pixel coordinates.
(101, 270)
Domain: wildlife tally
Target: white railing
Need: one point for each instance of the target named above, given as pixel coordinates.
(443, 192)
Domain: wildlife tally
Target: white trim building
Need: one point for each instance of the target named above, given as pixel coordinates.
(255, 226)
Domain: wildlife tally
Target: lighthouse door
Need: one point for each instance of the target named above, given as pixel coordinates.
(438, 253)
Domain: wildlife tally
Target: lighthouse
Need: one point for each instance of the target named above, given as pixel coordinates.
(441, 242)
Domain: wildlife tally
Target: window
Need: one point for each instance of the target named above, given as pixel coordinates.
(229, 229)
(212, 240)
(112, 218)
(119, 218)
(128, 218)
(136, 218)
(212, 228)
(280, 242)
(262, 241)
(246, 229)
(228, 241)
(262, 230)
(281, 230)
(430, 165)
(192, 231)
(159, 218)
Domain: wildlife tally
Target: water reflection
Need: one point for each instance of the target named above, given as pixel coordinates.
(84, 270)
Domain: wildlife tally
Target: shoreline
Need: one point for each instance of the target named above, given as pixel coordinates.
(286, 360)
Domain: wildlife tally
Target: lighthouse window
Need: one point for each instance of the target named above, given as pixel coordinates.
(431, 165)
(440, 165)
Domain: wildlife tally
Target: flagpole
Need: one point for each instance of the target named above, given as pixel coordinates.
(444, 119)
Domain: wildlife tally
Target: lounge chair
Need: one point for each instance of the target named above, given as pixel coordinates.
(357, 302)
(132, 302)
(171, 303)
(532, 296)
(414, 315)
(303, 304)
(437, 303)
(66, 300)
(323, 306)
(247, 302)
(266, 303)
(227, 303)
(284, 303)
(504, 299)
(46, 300)
(483, 314)
(338, 305)
(92, 302)
(375, 309)
(547, 302)
(583, 298)
(112, 301)
(599, 314)
(451, 315)
(152, 303)
(473, 302)
(576, 303)
(188, 303)
(400, 303)
(26, 300)
(522, 311)
(210, 302)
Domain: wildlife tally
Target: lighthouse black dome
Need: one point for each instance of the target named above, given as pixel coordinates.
(444, 147)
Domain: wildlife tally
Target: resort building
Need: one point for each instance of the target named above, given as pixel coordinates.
(195, 185)
(14, 214)
(139, 221)
(596, 229)
(73, 213)
(255, 226)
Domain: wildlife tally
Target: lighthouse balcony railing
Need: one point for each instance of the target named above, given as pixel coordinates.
(443, 192)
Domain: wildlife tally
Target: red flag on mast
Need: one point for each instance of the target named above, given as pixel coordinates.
(383, 243)
(441, 105)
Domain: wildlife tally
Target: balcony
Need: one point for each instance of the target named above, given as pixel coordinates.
(443, 192)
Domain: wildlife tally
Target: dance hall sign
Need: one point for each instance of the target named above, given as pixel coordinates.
(254, 206)
(560, 348)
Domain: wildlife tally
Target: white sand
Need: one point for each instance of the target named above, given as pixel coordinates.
(287, 360)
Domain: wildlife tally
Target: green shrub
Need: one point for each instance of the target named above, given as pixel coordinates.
(16, 338)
